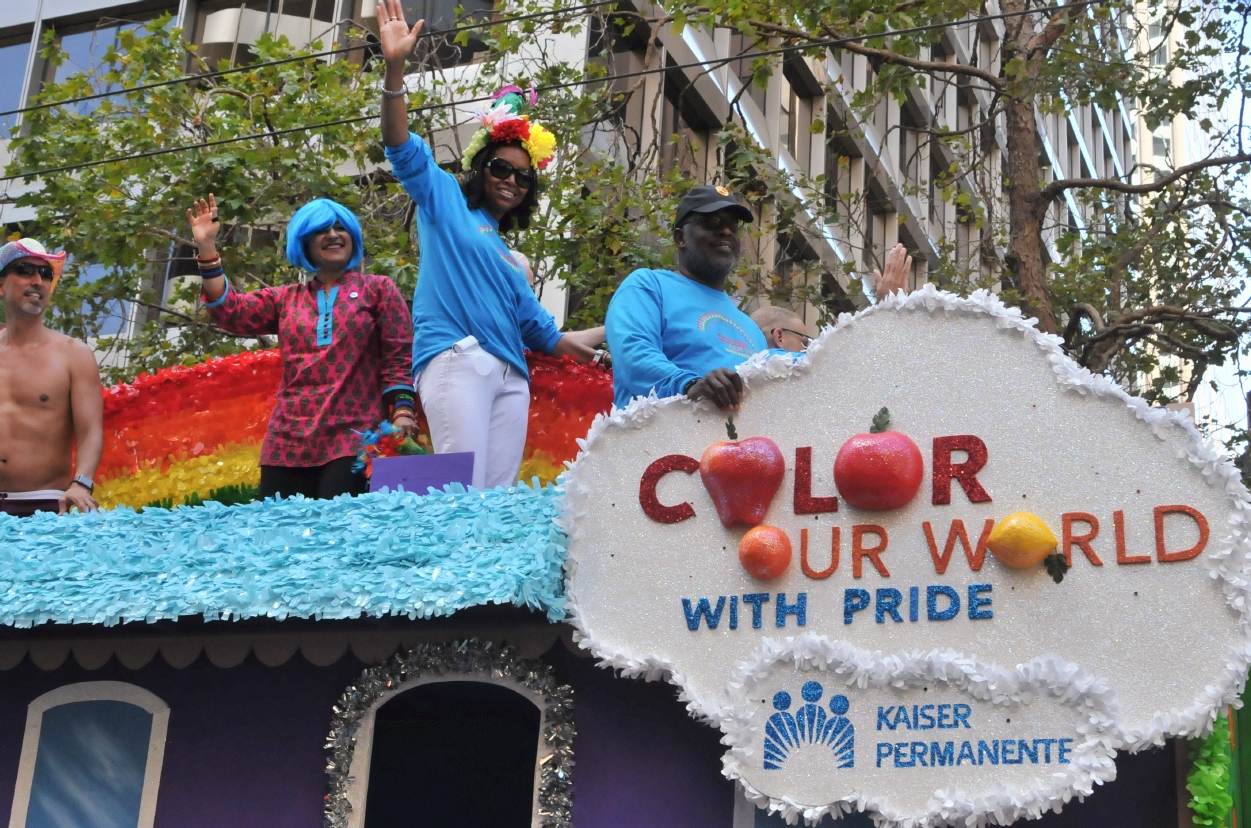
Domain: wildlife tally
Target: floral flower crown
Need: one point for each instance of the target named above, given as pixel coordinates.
(503, 122)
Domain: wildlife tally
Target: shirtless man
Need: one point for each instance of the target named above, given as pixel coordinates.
(50, 394)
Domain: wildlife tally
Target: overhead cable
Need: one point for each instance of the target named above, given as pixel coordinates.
(705, 64)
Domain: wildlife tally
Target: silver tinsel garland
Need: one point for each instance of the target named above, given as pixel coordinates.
(468, 657)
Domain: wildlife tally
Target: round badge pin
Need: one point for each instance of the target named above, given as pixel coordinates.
(353, 295)
(725, 191)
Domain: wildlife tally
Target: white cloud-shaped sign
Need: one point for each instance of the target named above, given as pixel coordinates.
(895, 663)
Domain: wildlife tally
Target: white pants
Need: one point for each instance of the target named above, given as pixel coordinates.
(476, 402)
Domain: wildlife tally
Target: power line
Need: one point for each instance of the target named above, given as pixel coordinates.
(312, 56)
(833, 43)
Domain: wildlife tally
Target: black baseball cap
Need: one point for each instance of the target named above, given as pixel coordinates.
(709, 199)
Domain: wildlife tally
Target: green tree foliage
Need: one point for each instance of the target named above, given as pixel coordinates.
(129, 216)
(1210, 777)
(1153, 284)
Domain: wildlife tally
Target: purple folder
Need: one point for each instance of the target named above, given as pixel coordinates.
(418, 472)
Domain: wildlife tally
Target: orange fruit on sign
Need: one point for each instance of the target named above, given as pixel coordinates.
(765, 552)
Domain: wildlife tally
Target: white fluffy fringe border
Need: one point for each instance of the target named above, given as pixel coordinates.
(1229, 560)
(1049, 676)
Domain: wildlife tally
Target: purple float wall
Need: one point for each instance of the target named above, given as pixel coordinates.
(245, 749)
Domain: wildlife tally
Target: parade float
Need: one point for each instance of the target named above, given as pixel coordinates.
(932, 573)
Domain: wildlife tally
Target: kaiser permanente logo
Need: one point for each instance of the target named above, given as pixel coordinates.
(917, 753)
(809, 728)
(735, 339)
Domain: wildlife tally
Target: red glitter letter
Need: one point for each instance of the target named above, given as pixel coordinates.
(957, 532)
(945, 471)
(858, 552)
(1082, 541)
(652, 507)
(1185, 554)
(819, 575)
(1118, 523)
(805, 503)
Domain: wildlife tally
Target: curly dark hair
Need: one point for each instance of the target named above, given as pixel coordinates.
(475, 190)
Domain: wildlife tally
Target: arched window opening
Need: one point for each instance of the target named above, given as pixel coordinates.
(454, 753)
(91, 758)
(460, 733)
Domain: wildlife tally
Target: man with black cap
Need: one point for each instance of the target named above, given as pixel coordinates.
(679, 333)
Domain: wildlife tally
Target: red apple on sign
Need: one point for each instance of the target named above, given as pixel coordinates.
(880, 470)
(742, 476)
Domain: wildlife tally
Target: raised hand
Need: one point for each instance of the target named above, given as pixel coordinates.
(204, 224)
(895, 275)
(397, 39)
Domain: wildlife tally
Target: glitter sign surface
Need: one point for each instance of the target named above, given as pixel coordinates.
(905, 660)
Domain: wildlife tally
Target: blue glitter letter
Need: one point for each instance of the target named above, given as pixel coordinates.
(799, 609)
(975, 603)
(888, 601)
(711, 617)
(931, 603)
(854, 600)
(756, 599)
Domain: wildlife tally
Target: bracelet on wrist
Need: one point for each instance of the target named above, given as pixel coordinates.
(212, 274)
(399, 93)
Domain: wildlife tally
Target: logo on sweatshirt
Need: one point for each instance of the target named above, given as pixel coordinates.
(734, 339)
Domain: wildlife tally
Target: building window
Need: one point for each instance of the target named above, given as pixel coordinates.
(14, 53)
(441, 17)
(91, 755)
(787, 126)
(83, 52)
(224, 30)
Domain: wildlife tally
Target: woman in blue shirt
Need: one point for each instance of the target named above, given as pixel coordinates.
(473, 312)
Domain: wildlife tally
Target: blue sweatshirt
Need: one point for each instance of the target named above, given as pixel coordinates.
(665, 330)
(468, 282)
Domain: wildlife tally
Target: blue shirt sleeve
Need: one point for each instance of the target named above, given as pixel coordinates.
(538, 327)
(634, 323)
(427, 185)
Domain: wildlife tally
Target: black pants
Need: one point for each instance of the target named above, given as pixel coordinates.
(332, 479)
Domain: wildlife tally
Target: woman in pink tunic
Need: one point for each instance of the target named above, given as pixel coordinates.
(346, 344)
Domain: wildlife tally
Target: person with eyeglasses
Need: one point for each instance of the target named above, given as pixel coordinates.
(51, 405)
(345, 342)
(474, 315)
(677, 332)
(782, 328)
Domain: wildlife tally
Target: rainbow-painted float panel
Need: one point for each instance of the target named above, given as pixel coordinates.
(187, 431)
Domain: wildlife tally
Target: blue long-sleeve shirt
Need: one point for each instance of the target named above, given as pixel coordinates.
(666, 330)
(468, 282)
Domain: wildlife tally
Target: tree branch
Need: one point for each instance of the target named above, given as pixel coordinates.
(1053, 190)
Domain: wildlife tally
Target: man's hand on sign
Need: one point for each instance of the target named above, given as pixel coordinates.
(894, 276)
(721, 385)
(79, 497)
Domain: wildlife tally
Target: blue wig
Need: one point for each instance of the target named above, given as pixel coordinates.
(315, 216)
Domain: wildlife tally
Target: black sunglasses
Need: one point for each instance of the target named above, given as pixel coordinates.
(27, 269)
(501, 169)
(804, 338)
(716, 221)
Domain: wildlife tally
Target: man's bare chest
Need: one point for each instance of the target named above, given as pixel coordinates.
(38, 382)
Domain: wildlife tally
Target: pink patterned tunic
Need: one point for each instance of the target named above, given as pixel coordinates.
(341, 351)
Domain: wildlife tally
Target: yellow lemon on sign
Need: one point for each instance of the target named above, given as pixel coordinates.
(1021, 540)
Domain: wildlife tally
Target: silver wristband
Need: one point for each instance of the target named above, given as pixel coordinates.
(399, 93)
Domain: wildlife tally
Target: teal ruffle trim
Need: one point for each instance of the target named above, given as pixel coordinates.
(374, 555)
